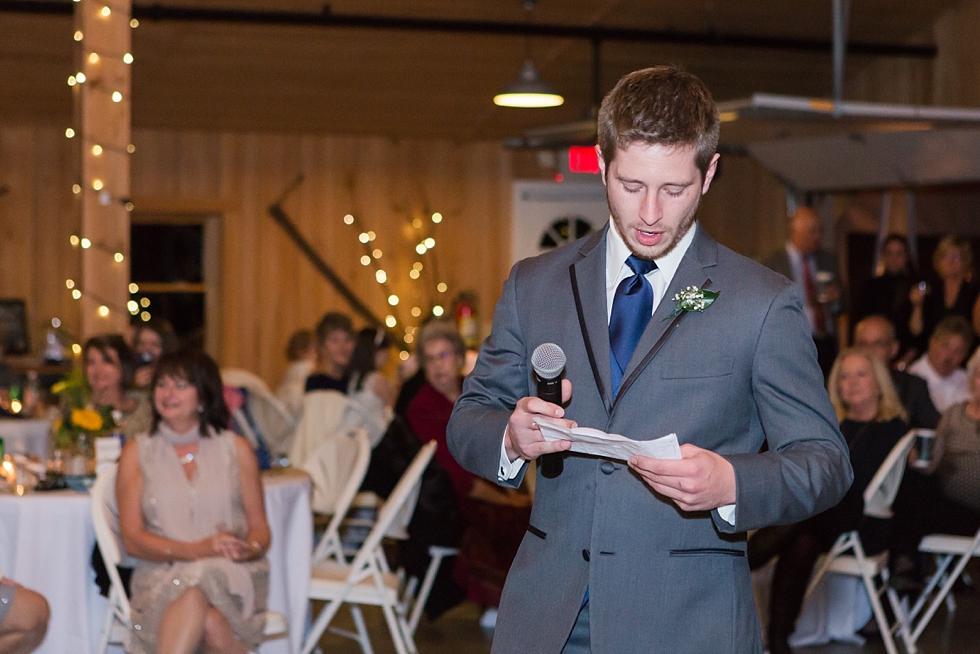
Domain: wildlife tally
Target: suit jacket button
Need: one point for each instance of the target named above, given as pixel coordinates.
(585, 555)
(607, 467)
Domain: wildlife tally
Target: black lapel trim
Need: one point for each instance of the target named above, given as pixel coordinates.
(653, 351)
(588, 341)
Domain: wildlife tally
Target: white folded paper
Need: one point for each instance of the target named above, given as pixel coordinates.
(586, 440)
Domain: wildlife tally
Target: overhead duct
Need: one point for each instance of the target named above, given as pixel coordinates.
(873, 160)
(768, 106)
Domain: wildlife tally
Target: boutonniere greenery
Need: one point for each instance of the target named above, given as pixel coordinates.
(692, 298)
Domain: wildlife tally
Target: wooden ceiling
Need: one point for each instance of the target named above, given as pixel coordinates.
(193, 73)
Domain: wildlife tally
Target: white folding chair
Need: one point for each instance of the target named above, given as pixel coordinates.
(946, 549)
(115, 624)
(105, 520)
(330, 545)
(411, 603)
(368, 579)
(847, 555)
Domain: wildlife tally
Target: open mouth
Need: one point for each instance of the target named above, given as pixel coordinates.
(649, 238)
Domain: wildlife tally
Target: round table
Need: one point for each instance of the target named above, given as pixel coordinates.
(46, 541)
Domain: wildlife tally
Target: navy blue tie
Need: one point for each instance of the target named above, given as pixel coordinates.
(631, 311)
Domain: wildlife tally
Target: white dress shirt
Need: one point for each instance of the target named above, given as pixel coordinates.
(944, 391)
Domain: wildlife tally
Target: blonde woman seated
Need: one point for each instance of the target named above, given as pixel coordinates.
(191, 511)
(872, 420)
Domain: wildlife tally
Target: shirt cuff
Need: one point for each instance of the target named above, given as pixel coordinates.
(727, 513)
(508, 469)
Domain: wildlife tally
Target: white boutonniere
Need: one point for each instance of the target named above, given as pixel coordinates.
(692, 298)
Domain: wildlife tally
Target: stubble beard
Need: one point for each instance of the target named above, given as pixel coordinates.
(675, 236)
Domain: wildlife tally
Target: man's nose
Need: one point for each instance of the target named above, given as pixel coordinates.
(651, 210)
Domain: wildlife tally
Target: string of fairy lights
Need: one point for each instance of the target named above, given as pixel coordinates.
(373, 259)
(91, 75)
(424, 265)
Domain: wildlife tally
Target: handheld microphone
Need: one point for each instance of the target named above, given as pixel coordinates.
(548, 363)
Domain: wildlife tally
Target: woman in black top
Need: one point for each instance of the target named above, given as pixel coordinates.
(872, 420)
(954, 294)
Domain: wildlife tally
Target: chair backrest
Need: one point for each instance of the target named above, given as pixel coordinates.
(271, 416)
(323, 412)
(105, 520)
(244, 379)
(881, 491)
(330, 545)
(405, 492)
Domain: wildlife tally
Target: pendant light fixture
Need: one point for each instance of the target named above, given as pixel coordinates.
(528, 91)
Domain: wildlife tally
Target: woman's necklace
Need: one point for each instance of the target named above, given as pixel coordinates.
(186, 458)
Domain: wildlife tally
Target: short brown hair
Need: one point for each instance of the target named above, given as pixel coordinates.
(663, 105)
(333, 321)
(953, 326)
(440, 330)
(298, 344)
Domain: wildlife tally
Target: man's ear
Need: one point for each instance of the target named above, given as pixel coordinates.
(602, 164)
(710, 173)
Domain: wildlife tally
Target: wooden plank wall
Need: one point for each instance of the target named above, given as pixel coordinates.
(268, 288)
(38, 214)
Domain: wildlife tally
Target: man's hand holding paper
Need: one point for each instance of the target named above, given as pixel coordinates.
(700, 481)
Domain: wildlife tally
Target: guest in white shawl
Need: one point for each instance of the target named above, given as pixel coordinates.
(191, 512)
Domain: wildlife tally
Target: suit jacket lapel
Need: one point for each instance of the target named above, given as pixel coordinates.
(588, 279)
(693, 270)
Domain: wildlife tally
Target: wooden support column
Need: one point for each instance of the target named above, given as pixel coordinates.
(102, 119)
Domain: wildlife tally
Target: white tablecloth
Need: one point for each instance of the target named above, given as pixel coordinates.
(46, 541)
(22, 436)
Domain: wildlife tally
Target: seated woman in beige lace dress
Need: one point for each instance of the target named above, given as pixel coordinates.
(191, 511)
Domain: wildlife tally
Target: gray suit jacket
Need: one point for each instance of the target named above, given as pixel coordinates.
(742, 372)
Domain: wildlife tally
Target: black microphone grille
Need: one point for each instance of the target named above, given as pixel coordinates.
(548, 360)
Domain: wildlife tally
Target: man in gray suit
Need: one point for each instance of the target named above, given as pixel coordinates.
(815, 270)
(650, 556)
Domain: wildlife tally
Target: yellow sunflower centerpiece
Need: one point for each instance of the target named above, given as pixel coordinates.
(80, 422)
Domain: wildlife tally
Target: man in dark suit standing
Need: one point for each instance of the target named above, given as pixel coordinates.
(815, 271)
(650, 556)
(877, 334)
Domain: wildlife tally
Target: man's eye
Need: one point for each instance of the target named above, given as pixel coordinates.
(632, 189)
(674, 193)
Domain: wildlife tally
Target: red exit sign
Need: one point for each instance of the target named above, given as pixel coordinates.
(583, 159)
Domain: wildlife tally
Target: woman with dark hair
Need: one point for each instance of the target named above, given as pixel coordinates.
(887, 293)
(151, 340)
(371, 350)
(108, 366)
(191, 512)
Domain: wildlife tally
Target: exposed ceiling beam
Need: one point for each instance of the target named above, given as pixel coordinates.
(591, 33)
